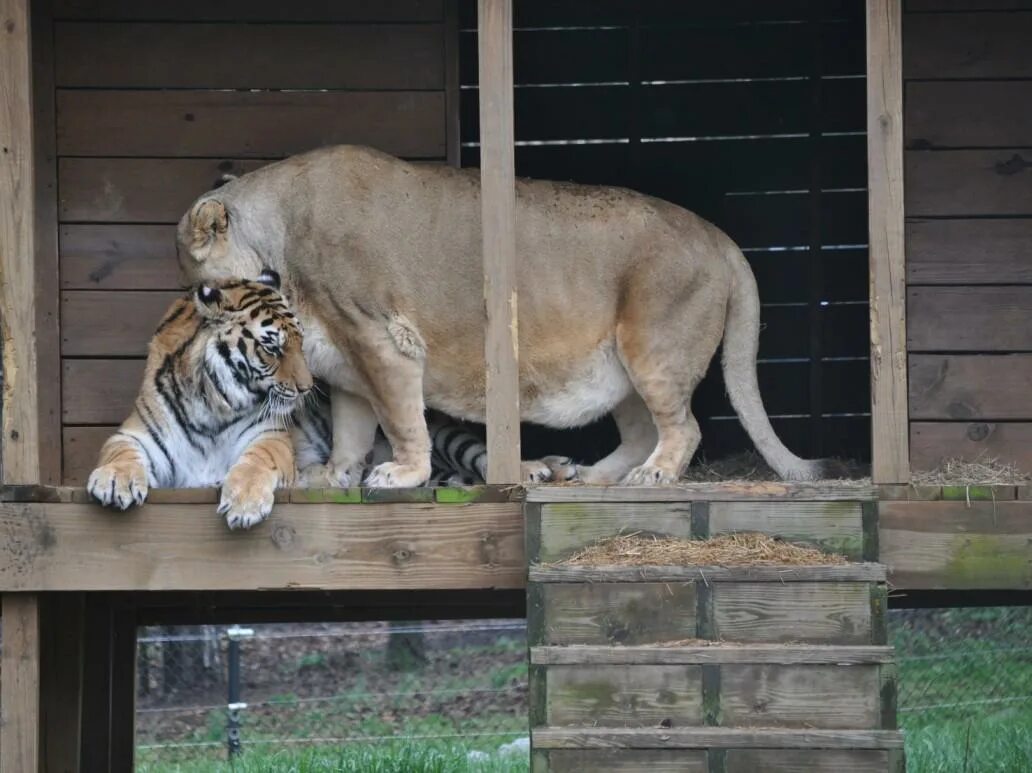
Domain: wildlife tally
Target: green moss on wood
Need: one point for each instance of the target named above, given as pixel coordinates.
(340, 496)
(988, 561)
(397, 495)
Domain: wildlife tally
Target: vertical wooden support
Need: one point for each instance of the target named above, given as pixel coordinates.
(61, 630)
(45, 255)
(19, 687)
(95, 749)
(123, 688)
(20, 443)
(452, 84)
(890, 452)
(498, 207)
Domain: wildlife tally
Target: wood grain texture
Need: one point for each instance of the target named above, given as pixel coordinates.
(252, 10)
(778, 574)
(48, 334)
(890, 455)
(219, 56)
(970, 387)
(969, 319)
(99, 391)
(80, 449)
(630, 761)
(105, 324)
(806, 761)
(567, 527)
(188, 547)
(19, 689)
(119, 257)
(967, 45)
(953, 114)
(613, 613)
(824, 613)
(19, 447)
(816, 696)
(223, 123)
(934, 442)
(963, 183)
(711, 737)
(785, 654)
(957, 545)
(969, 251)
(705, 492)
(498, 221)
(607, 696)
(835, 527)
(137, 190)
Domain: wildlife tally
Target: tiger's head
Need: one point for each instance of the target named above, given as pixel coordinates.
(252, 344)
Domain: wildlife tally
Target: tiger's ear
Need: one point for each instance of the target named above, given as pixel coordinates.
(208, 224)
(270, 278)
(208, 300)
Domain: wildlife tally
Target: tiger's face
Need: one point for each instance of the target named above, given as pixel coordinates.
(254, 344)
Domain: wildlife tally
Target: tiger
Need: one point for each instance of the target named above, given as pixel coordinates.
(224, 373)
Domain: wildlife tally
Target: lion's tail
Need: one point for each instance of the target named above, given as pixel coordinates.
(741, 343)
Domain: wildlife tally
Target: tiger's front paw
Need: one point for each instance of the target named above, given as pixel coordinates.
(246, 499)
(551, 469)
(119, 485)
(394, 475)
(329, 475)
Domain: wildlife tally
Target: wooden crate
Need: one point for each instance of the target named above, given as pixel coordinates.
(709, 668)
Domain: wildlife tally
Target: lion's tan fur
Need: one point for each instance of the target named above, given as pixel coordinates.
(623, 298)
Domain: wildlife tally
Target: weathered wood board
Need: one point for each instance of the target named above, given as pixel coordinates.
(957, 545)
(970, 387)
(69, 546)
(730, 761)
(967, 183)
(712, 737)
(835, 527)
(654, 760)
(969, 319)
(934, 442)
(969, 251)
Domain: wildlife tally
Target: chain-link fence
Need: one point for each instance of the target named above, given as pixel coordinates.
(348, 694)
(354, 695)
(965, 688)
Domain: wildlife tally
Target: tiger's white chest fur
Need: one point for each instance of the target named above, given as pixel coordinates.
(204, 463)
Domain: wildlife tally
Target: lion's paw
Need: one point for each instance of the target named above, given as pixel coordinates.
(119, 485)
(649, 475)
(563, 468)
(394, 475)
(246, 502)
(329, 476)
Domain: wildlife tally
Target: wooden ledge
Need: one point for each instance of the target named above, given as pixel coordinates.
(395, 546)
(711, 737)
(344, 496)
(706, 492)
(716, 653)
(866, 572)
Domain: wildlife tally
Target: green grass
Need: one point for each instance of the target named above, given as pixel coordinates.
(365, 758)
(999, 743)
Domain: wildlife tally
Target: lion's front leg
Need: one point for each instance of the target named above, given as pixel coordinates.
(250, 487)
(354, 432)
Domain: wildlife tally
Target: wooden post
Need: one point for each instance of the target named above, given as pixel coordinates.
(61, 632)
(20, 444)
(498, 208)
(19, 687)
(890, 451)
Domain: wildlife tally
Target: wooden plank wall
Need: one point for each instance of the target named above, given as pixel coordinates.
(968, 130)
(156, 101)
(750, 113)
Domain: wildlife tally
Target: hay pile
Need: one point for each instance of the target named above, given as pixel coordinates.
(983, 470)
(749, 467)
(746, 549)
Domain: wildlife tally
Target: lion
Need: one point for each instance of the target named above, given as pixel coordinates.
(623, 301)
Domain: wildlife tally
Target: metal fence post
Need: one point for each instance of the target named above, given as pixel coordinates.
(233, 703)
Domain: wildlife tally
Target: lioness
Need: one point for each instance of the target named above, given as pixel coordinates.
(623, 300)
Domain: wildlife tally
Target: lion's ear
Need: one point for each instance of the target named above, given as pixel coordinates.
(208, 226)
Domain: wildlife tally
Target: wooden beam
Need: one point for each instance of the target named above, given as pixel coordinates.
(312, 546)
(123, 688)
(498, 206)
(890, 454)
(20, 443)
(19, 691)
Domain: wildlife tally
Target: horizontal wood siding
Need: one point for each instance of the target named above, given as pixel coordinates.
(212, 90)
(968, 130)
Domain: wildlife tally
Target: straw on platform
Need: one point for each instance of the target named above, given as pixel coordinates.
(746, 549)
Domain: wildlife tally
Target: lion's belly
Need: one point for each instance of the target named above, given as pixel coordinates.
(569, 395)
